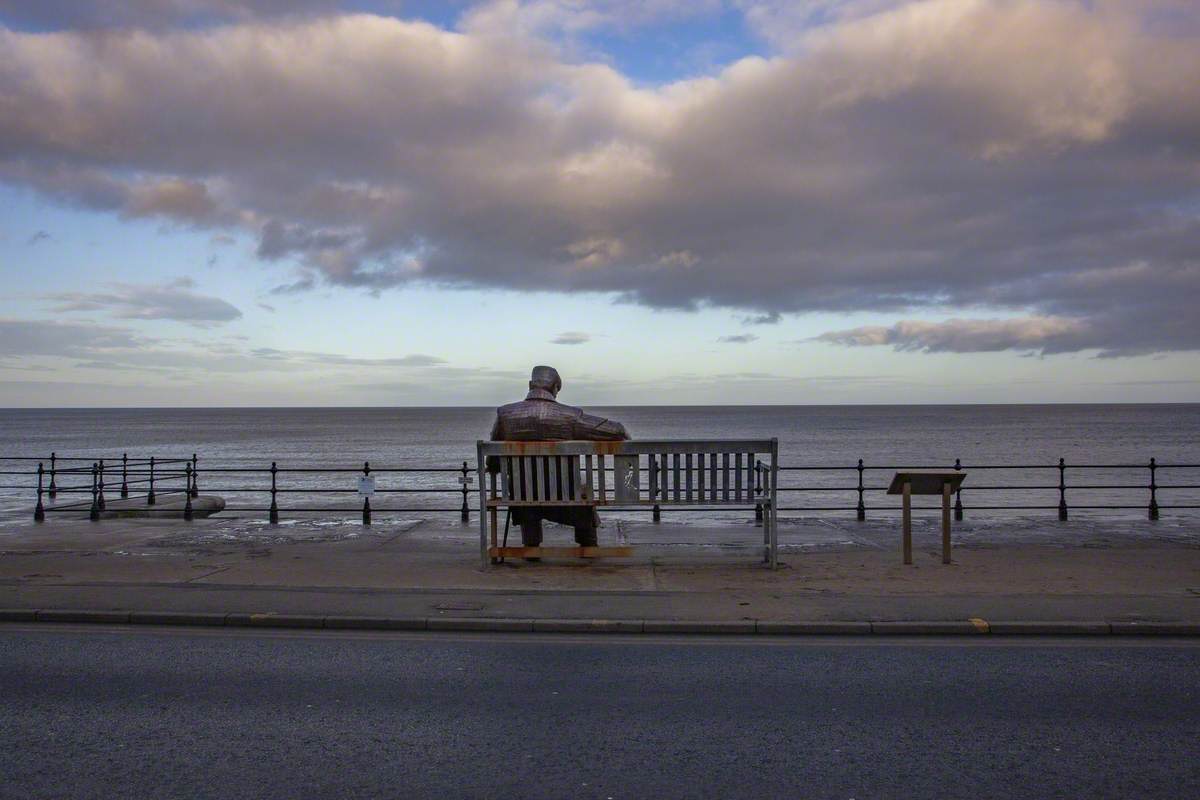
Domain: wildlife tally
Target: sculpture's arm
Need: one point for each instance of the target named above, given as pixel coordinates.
(592, 428)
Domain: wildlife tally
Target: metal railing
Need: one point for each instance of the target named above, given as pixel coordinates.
(149, 479)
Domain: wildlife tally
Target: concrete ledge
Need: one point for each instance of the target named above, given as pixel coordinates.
(627, 626)
(588, 625)
(775, 628)
(378, 623)
(478, 624)
(908, 627)
(175, 618)
(1056, 628)
(18, 615)
(1155, 628)
(67, 615)
(272, 620)
(698, 626)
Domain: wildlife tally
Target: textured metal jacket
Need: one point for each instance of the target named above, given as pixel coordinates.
(541, 418)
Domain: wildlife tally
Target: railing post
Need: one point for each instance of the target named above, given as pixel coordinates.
(195, 476)
(187, 503)
(124, 475)
(958, 507)
(53, 488)
(94, 514)
(366, 498)
(273, 512)
(39, 512)
(1062, 490)
(1153, 491)
(758, 509)
(101, 484)
(465, 511)
(150, 496)
(862, 508)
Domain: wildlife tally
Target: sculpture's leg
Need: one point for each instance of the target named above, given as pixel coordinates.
(531, 529)
(586, 528)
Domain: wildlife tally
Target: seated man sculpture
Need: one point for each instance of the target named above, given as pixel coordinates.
(539, 418)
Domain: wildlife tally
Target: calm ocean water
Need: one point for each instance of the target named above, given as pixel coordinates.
(808, 435)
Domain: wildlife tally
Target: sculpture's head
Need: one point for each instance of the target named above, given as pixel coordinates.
(545, 378)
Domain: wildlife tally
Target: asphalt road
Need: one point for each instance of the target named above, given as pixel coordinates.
(121, 712)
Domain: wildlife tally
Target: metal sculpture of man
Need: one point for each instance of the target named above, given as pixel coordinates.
(539, 418)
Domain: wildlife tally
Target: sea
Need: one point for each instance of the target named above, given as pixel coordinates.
(1002, 448)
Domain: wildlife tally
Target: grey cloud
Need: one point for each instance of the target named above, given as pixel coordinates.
(741, 338)
(174, 301)
(73, 14)
(770, 318)
(1015, 157)
(571, 337)
(29, 338)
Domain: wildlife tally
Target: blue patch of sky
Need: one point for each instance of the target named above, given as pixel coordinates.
(675, 48)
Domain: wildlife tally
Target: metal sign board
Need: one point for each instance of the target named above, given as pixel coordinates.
(366, 486)
(627, 478)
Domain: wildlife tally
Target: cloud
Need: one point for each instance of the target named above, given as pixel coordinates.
(1019, 157)
(770, 318)
(741, 338)
(1044, 334)
(72, 14)
(33, 338)
(338, 360)
(571, 337)
(173, 301)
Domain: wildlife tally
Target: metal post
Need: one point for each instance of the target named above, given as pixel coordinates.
(656, 514)
(150, 497)
(465, 511)
(94, 514)
(907, 543)
(774, 496)
(124, 475)
(53, 488)
(102, 484)
(1153, 491)
(862, 508)
(39, 513)
(195, 491)
(187, 503)
(366, 497)
(273, 513)
(958, 507)
(945, 522)
(1062, 490)
(758, 509)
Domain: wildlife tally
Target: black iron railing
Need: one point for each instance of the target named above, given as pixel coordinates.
(88, 484)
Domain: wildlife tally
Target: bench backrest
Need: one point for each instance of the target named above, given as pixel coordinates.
(667, 472)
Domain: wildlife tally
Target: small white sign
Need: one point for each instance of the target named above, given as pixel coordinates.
(626, 468)
(366, 486)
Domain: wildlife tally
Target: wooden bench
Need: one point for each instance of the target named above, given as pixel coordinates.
(699, 474)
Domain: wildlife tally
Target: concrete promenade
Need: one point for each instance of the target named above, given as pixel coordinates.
(424, 573)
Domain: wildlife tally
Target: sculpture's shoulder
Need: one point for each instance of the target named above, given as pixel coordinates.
(535, 420)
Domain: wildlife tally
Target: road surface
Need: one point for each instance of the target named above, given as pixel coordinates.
(89, 711)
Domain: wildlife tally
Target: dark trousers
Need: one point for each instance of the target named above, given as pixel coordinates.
(582, 518)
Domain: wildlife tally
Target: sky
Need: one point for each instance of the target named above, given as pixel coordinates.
(309, 202)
